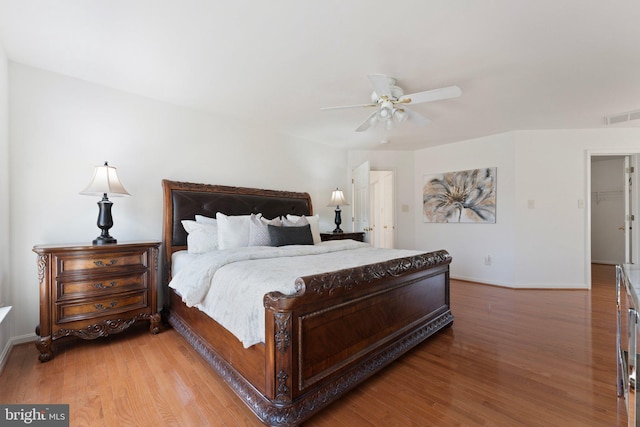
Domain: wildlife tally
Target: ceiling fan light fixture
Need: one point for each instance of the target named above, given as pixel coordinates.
(387, 105)
(399, 115)
(389, 124)
(386, 96)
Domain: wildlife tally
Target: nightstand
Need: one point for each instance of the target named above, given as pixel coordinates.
(92, 291)
(359, 236)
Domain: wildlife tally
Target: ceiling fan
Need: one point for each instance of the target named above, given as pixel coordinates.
(392, 104)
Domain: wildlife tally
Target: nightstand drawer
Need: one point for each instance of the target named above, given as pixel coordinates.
(97, 307)
(82, 263)
(100, 285)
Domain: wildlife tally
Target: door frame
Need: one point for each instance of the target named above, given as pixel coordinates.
(394, 172)
(634, 236)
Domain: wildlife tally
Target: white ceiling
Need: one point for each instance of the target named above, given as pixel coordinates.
(521, 64)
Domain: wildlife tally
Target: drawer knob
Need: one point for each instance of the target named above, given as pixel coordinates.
(99, 263)
(101, 286)
(102, 307)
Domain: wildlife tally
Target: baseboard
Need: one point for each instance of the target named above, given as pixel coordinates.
(554, 286)
(4, 356)
(21, 339)
(480, 281)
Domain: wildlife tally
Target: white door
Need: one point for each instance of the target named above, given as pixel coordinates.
(388, 212)
(360, 183)
(375, 217)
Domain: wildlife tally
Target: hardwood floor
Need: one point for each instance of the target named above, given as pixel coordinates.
(512, 358)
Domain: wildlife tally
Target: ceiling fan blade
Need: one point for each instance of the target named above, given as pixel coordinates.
(416, 118)
(381, 85)
(367, 123)
(433, 95)
(342, 107)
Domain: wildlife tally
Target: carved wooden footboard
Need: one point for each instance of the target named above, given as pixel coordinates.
(344, 326)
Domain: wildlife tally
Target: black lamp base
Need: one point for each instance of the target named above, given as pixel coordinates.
(105, 222)
(338, 221)
(102, 240)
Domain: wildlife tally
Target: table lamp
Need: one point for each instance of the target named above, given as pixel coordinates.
(337, 199)
(105, 183)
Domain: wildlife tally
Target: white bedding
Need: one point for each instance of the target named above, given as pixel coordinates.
(179, 259)
(229, 285)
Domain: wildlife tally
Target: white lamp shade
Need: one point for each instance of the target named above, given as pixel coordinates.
(337, 199)
(105, 181)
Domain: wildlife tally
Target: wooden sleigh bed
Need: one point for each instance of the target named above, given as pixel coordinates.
(339, 329)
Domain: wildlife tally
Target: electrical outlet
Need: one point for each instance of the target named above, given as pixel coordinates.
(487, 260)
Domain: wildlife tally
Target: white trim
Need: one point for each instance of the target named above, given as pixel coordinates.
(589, 153)
(4, 355)
(6, 351)
(32, 337)
(541, 286)
(481, 281)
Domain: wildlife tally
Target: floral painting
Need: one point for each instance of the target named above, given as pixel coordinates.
(466, 196)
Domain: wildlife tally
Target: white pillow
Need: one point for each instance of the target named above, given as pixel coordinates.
(233, 231)
(314, 222)
(201, 238)
(259, 230)
(298, 222)
(206, 220)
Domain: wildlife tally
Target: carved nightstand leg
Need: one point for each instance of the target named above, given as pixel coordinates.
(43, 344)
(154, 328)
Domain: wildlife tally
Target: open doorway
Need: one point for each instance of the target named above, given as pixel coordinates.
(624, 195)
(608, 210)
(374, 205)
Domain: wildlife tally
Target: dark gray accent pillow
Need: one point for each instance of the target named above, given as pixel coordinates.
(283, 236)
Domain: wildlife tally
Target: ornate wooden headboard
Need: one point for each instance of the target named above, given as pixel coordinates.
(184, 200)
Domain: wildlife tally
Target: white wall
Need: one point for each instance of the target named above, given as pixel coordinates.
(61, 127)
(4, 178)
(469, 244)
(402, 163)
(5, 264)
(542, 246)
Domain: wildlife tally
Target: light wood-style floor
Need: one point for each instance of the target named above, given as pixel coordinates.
(512, 358)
